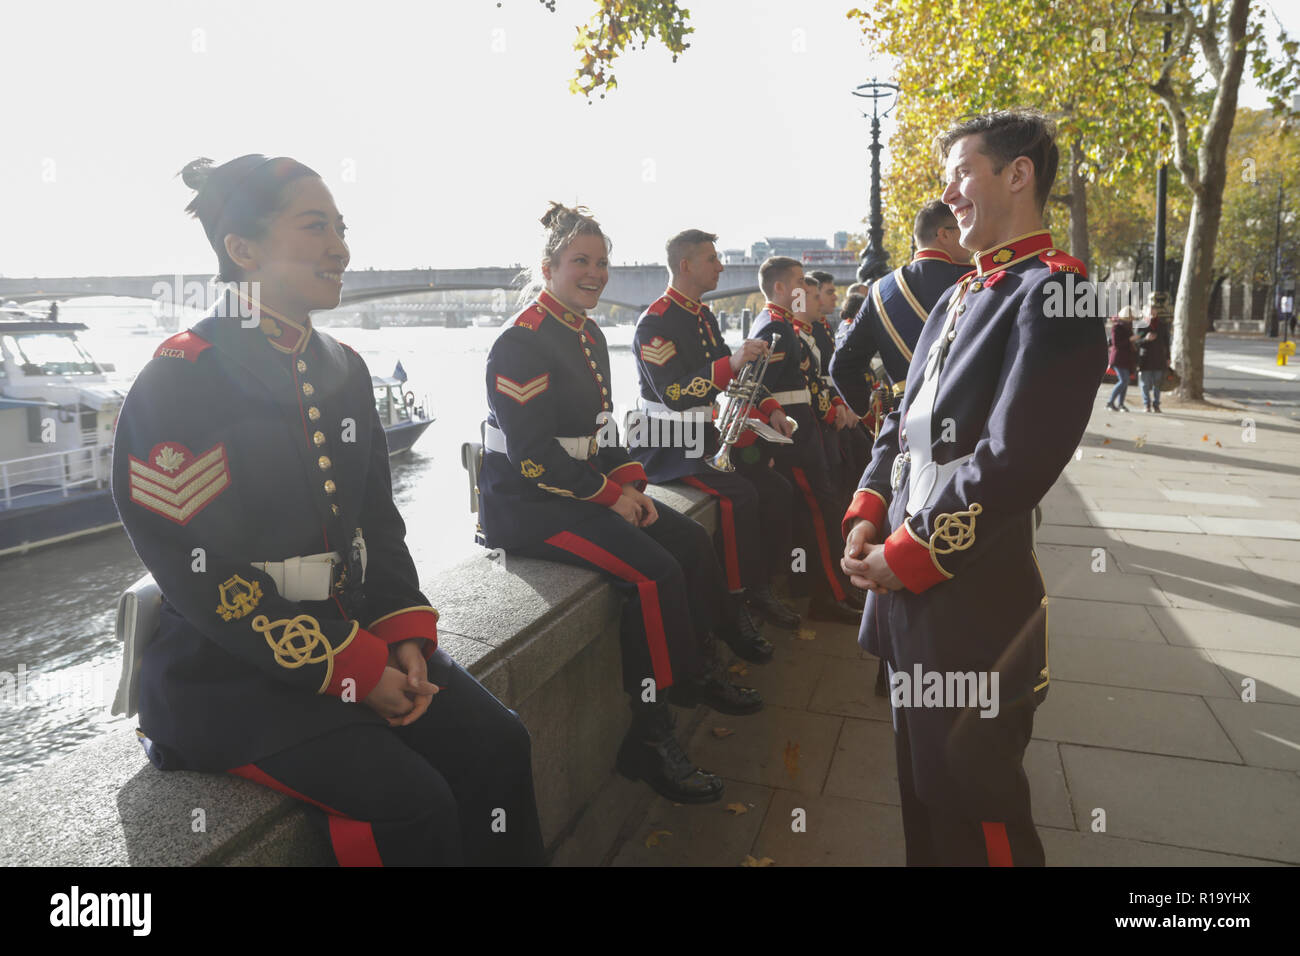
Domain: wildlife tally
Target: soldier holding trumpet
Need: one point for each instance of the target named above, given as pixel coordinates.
(683, 365)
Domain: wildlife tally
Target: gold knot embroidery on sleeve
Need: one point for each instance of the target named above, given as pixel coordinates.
(955, 532)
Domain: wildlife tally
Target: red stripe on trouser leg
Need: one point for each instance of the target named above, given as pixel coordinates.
(819, 528)
(648, 590)
(353, 840)
(729, 548)
(996, 844)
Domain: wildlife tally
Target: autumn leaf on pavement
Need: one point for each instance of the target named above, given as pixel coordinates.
(807, 634)
(1106, 441)
(1205, 438)
(791, 759)
(721, 732)
(653, 838)
(737, 808)
(750, 861)
(739, 669)
(1140, 441)
(1218, 444)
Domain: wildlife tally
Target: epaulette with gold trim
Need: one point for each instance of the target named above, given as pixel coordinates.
(1059, 261)
(184, 345)
(660, 306)
(531, 317)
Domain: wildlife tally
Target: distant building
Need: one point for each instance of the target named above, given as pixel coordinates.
(841, 240)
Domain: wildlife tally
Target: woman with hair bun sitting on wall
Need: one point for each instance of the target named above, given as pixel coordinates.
(295, 648)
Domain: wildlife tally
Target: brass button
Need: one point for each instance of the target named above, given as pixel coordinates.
(599, 377)
(975, 287)
(592, 364)
(330, 487)
(961, 308)
(324, 462)
(334, 508)
(302, 366)
(318, 439)
(313, 413)
(308, 390)
(604, 391)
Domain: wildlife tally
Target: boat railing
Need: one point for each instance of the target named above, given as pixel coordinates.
(65, 470)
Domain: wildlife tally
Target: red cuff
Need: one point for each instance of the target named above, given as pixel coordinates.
(836, 400)
(609, 493)
(912, 561)
(766, 407)
(867, 504)
(362, 658)
(829, 417)
(406, 624)
(630, 473)
(722, 372)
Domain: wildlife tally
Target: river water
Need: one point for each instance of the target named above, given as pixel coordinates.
(59, 658)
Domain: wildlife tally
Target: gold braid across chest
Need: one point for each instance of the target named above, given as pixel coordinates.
(955, 532)
(300, 642)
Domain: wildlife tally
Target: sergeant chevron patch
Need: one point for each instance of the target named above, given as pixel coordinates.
(658, 350)
(176, 483)
(523, 392)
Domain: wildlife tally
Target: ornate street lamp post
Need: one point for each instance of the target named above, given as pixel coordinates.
(875, 260)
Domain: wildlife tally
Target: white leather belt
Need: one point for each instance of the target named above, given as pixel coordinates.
(310, 577)
(798, 397)
(494, 439)
(659, 410)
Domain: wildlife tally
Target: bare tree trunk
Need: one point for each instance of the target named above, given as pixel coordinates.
(1206, 179)
(1079, 247)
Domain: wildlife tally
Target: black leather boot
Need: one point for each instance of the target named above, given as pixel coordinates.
(650, 752)
(771, 607)
(742, 633)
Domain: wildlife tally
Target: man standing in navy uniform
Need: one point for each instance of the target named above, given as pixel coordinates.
(998, 395)
(890, 320)
(789, 369)
(683, 364)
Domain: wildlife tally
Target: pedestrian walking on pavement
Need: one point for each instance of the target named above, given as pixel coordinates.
(1121, 356)
(1151, 359)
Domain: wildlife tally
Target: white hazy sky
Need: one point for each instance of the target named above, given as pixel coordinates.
(443, 128)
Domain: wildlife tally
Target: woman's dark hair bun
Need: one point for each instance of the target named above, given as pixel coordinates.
(557, 209)
(196, 173)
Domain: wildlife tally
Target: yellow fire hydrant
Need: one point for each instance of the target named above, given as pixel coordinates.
(1284, 351)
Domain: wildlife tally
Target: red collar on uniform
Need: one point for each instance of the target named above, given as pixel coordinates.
(800, 325)
(928, 253)
(684, 300)
(778, 313)
(282, 334)
(1013, 251)
(572, 318)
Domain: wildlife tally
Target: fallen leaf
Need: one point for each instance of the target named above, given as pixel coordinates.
(1205, 438)
(806, 634)
(791, 759)
(1218, 444)
(737, 808)
(721, 732)
(738, 668)
(750, 861)
(1140, 441)
(1106, 441)
(653, 838)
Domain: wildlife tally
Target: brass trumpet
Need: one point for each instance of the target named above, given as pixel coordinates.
(735, 406)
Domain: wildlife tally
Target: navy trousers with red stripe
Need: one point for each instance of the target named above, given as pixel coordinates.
(964, 791)
(817, 512)
(454, 788)
(753, 540)
(671, 579)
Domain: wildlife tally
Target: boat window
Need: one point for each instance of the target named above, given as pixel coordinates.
(383, 402)
(50, 353)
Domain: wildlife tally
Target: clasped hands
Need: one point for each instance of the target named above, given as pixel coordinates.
(864, 560)
(636, 508)
(404, 692)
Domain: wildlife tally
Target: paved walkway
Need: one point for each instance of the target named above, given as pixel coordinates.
(1197, 518)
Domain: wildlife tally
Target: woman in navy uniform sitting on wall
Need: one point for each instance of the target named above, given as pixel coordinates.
(295, 648)
(549, 488)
